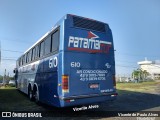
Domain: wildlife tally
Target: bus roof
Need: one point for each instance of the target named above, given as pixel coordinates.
(56, 25)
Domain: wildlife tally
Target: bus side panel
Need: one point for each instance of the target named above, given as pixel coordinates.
(47, 81)
(51, 76)
(39, 78)
(26, 76)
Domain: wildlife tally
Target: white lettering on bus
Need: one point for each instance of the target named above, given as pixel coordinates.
(75, 64)
(86, 43)
(53, 62)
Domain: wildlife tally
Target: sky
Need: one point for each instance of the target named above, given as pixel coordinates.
(135, 26)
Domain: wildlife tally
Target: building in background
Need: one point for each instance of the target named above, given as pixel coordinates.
(152, 67)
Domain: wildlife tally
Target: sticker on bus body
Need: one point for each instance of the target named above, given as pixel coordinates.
(89, 44)
(94, 85)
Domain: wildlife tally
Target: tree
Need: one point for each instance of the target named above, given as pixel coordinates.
(135, 74)
(140, 74)
(145, 74)
(1, 77)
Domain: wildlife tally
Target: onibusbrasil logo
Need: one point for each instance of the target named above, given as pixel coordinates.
(22, 115)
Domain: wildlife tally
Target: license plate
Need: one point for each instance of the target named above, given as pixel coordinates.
(94, 86)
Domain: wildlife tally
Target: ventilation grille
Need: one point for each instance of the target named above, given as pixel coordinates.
(88, 24)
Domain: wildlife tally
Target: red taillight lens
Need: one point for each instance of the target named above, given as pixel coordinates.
(114, 81)
(65, 80)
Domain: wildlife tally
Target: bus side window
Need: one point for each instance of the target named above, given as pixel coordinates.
(33, 54)
(30, 55)
(55, 40)
(19, 62)
(48, 45)
(23, 60)
(27, 57)
(42, 49)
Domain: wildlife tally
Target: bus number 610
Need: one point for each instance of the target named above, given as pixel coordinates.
(53, 62)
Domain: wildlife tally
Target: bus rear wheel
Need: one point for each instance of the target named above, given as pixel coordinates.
(36, 95)
(30, 94)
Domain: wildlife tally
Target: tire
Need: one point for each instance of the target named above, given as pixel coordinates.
(36, 96)
(30, 94)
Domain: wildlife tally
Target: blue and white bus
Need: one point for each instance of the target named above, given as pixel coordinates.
(73, 64)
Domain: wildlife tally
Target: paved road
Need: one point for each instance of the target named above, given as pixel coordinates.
(127, 101)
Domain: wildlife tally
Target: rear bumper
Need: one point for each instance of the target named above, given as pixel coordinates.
(89, 96)
(86, 99)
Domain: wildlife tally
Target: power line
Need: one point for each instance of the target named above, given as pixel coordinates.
(3, 57)
(12, 51)
(134, 55)
(125, 66)
(124, 61)
(16, 40)
(9, 59)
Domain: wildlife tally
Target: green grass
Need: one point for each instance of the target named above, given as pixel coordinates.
(7, 87)
(11, 100)
(138, 87)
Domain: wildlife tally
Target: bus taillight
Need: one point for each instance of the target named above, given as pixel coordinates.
(114, 81)
(65, 81)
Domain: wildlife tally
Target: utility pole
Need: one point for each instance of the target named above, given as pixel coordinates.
(8, 76)
(4, 77)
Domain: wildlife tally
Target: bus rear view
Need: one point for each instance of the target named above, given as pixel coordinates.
(73, 64)
(87, 65)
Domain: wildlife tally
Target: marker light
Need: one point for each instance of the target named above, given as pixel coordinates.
(65, 81)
